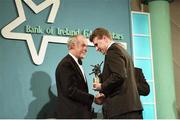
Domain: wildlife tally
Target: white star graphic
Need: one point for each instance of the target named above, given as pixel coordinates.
(37, 58)
(6, 32)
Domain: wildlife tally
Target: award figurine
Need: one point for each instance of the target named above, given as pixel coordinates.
(96, 70)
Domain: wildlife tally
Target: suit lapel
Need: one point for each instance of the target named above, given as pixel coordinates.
(77, 68)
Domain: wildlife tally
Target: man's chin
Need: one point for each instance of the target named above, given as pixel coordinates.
(82, 57)
(103, 53)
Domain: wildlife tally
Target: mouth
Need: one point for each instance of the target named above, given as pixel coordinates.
(101, 51)
(83, 53)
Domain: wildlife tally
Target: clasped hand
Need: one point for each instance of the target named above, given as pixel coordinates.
(99, 98)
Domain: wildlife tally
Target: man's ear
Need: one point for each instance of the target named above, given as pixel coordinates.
(72, 46)
(104, 37)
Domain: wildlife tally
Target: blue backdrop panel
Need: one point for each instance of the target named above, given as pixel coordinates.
(24, 85)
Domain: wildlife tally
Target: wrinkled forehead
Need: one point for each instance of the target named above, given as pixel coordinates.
(82, 40)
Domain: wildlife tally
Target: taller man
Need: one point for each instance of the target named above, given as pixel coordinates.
(118, 79)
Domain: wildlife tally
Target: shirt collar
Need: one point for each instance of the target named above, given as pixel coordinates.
(74, 57)
(110, 44)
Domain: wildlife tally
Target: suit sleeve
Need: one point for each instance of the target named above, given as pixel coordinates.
(116, 64)
(70, 85)
(142, 85)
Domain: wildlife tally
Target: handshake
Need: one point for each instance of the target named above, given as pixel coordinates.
(99, 98)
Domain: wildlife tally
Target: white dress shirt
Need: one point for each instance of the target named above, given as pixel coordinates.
(80, 66)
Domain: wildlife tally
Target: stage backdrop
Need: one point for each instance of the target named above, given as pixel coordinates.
(33, 41)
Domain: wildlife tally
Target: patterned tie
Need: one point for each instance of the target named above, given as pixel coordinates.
(80, 61)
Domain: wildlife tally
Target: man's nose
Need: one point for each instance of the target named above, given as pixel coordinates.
(85, 49)
(97, 49)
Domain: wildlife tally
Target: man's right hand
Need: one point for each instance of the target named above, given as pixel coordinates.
(99, 98)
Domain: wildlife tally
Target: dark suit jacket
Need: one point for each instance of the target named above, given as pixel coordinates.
(74, 101)
(118, 83)
(142, 85)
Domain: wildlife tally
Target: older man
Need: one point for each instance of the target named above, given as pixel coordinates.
(74, 101)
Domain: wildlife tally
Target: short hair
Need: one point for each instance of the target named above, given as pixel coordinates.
(99, 32)
(71, 41)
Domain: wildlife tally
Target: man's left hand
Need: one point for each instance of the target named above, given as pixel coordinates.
(97, 86)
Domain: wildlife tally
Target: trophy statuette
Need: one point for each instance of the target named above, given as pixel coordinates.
(96, 70)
